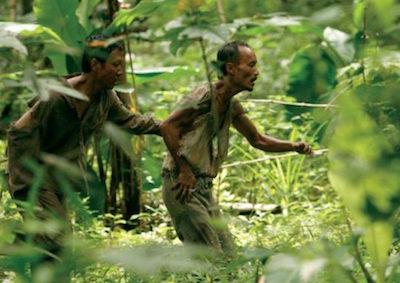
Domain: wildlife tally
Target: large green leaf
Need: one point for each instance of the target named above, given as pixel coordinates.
(12, 33)
(365, 161)
(84, 12)
(358, 13)
(386, 11)
(60, 16)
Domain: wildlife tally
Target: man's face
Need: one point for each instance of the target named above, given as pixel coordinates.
(111, 70)
(244, 73)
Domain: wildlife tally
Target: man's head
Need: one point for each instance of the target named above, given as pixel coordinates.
(103, 60)
(238, 62)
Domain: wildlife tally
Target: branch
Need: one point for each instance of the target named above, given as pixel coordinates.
(214, 111)
(299, 104)
(358, 256)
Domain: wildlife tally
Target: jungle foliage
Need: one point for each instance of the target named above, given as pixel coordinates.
(329, 75)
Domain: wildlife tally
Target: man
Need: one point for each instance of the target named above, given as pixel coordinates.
(197, 136)
(62, 126)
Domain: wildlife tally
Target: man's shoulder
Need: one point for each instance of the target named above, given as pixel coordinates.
(198, 96)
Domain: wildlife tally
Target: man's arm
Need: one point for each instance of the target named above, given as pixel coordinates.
(171, 131)
(132, 122)
(264, 142)
(23, 139)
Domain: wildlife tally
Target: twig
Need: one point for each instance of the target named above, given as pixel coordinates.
(299, 104)
(358, 256)
(132, 96)
(238, 163)
(364, 39)
(209, 80)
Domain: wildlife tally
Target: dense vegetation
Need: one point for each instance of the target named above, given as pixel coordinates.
(329, 75)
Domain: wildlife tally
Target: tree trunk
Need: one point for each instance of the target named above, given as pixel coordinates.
(124, 172)
(13, 10)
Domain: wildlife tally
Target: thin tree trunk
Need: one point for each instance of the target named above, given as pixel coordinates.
(221, 11)
(124, 172)
(13, 10)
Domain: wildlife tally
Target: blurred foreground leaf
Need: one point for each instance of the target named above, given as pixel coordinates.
(365, 162)
(148, 260)
(120, 138)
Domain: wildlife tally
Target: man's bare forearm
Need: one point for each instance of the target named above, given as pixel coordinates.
(171, 136)
(271, 144)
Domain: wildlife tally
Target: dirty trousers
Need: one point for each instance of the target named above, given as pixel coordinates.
(49, 205)
(198, 220)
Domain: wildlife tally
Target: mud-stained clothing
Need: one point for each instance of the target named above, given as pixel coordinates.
(205, 148)
(53, 127)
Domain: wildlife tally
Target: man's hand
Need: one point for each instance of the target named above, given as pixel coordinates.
(303, 148)
(186, 183)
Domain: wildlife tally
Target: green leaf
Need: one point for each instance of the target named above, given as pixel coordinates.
(121, 138)
(212, 35)
(163, 73)
(386, 11)
(327, 15)
(358, 13)
(341, 42)
(55, 85)
(65, 166)
(283, 21)
(59, 64)
(9, 40)
(365, 170)
(292, 269)
(125, 88)
(152, 259)
(60, 16)
(84, 12)
(144, 9)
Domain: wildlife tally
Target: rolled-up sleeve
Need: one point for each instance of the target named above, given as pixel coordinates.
(134, 123)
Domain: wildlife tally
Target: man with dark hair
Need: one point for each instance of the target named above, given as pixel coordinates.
(62, 125)
(197, 136)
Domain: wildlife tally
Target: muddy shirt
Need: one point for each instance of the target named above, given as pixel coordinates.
(204, 147)
(54, 127)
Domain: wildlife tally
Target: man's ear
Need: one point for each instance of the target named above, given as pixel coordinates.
(230, 68)
(95, 64)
